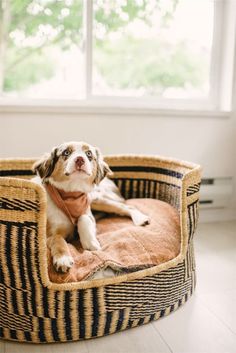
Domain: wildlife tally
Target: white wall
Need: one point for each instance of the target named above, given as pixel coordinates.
(209, 141)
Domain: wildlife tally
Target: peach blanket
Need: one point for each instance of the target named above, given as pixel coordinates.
(125, 246)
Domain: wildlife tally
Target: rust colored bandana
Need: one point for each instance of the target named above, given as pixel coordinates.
(73, 204)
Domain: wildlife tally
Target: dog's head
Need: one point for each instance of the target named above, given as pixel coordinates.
(73, 165)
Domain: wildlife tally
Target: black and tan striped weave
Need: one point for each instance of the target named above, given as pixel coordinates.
(35, 310)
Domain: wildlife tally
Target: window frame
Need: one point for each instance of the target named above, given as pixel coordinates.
(219, 102)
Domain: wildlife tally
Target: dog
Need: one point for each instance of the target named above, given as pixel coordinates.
(75, 177)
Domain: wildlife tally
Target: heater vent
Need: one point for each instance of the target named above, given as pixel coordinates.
(216, 192)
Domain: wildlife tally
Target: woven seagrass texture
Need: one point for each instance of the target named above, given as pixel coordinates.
(36, 310)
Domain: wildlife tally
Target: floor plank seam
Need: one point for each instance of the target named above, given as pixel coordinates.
(163, 339)
(219, 319)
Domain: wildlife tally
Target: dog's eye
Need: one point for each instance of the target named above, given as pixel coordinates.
(66, 153)
(89, 154)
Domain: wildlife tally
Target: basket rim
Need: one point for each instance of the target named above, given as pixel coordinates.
(124, 156)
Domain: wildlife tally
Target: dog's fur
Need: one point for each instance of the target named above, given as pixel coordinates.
(60, 168)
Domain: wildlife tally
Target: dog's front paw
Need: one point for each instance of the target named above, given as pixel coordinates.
(90, 244)
(139, 218)
(95, 245)
(63, 263)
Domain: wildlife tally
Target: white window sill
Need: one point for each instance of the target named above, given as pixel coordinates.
(108, 108)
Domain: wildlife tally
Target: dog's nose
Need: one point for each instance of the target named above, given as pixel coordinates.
(79, 161)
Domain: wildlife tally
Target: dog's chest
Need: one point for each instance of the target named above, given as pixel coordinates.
(57, 218)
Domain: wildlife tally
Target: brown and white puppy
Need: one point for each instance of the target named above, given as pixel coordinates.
(71, 168)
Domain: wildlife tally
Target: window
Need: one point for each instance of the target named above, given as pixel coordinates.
(152, 48)
(157, 50)
(41, 51)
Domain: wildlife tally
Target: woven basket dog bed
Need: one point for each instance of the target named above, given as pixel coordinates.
(33, 309)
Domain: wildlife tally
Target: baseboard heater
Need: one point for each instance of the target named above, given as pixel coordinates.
(216, 192)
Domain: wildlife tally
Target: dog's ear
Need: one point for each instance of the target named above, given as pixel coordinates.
(45, 166)
(103, 169)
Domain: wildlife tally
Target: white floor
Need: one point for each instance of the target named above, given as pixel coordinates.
(207, 322)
